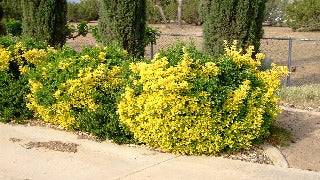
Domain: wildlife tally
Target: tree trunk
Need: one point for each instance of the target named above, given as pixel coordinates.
(180, 2)
(163, 16)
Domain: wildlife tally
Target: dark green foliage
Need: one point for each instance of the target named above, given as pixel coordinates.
(191, 12)
(151, 36)
(82, 29)
(2, 27)
(95, 33)
(12, 9)
(233, 20)
(14, 27)
(153, 13)
(124, 21)
(13, 85)
(13, 88)
(303, 15)
(45, 20)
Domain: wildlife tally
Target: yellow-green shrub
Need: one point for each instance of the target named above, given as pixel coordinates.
(188, 103)
(79, 91)
(13, 82)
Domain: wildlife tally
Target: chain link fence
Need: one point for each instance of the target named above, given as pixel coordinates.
(302, 56)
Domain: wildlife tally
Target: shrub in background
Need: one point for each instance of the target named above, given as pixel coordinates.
(191, 12)
(86, 10)
(189, 103)
(124, 22)
(14, 27)
(45, 20)
(80, 91)
(303, 15)
(153, 13)
(232, 20)
(275, 11)
(170, 10)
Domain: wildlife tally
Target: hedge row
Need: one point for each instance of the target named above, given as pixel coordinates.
(181, 101)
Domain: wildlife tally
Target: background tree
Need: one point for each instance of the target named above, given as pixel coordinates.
(12, 9)
(124, 21)
(191, 12)
(159, 4)
(45, 20)
(180, 5)
(86, 10)
(233, 20)
(275, 11)
(304, 15)
(2, 28)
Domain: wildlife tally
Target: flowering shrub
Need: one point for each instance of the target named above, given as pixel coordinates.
(13, 84)
(79, 91)
(181, 101)
(189, 103)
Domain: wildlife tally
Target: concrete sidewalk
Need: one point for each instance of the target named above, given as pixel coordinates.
(110, 161)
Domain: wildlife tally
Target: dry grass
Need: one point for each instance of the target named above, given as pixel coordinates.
(305, 96)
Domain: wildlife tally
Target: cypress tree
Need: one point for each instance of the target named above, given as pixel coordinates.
(124, 22)
(233, 20)
(45, 20)
(2, 28)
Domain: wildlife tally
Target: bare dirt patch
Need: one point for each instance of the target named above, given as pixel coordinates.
(15, 140)
(54, 145)
(303, 152)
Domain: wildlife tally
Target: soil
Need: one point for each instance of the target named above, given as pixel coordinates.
(303, 152)
(54, 145)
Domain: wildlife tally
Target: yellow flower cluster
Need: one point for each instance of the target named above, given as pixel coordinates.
(236, 98)
(162, 106)
(102, 56)
(5, 57)
(243, 59)
(78, 92)
(35, 56)
(19, 49)
(86, 57)
(168, 114)
(59, 113)
(63, 65)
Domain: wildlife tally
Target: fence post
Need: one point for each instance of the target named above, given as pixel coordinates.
(289, 61)
(151, 49)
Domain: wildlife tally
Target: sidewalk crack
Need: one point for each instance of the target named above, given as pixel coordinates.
(151, 166)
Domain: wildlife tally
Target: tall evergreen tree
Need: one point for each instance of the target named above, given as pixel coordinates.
(2, 28)
(45, 20)
(233, 20)
(12, 9)
(124, 22)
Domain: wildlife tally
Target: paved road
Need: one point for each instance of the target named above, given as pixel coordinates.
(106, 160)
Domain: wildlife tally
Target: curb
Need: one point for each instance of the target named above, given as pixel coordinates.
(300, 110)
(275, 156)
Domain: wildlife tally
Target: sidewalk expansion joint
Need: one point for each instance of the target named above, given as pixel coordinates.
(151, 166)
